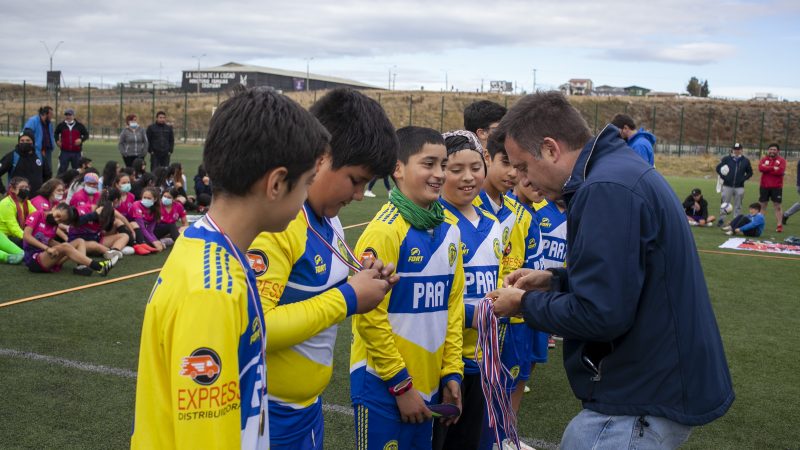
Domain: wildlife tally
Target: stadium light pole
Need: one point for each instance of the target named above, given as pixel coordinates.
(308, 72)
(198, 69)
(51, 53)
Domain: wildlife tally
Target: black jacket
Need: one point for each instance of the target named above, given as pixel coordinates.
(161, 138)
(632, 300)
(739, 171)
(688, 206)
(29, 166)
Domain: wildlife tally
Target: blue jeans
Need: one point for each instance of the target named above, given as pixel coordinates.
(596, 431)
(67, 159)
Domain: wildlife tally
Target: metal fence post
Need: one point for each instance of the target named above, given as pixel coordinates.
(761, 134)
(185, 115)
(89, 108)
(24, 103)
(506, 102)
(786, 136)
(56, 91)
(8, 124)
(154, 102)
(596, 106)
(121, 87)
(680, 136)
(654, 119)
(410, 108)
(735, 127)
(441, 117)
(379, 99)
(708, 128)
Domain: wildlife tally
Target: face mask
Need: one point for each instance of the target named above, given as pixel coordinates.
(147, 203)
(23, 194)
(69, 122)
(58, 197)
(125, 187)
(133, 125)
(166, 201)
(25, 148)
(90, 190)
(51, 220)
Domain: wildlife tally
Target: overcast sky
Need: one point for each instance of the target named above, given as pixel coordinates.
(741, 47)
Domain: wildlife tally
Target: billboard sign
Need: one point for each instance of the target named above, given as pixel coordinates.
(501, 86)
(212, 81)
(53, 79)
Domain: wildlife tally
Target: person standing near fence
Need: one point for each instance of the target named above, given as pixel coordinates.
(772, 168)
(70, 136)
(734, 169)
(641, 141)
(132, 141)
(44, 140)
(161, 140)
(796, 206)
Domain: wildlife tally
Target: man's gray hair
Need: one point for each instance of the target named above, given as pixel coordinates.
(545, 114)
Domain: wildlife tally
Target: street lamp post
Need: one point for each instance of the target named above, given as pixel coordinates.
(51, 53)
(198, 69)
(308, 72)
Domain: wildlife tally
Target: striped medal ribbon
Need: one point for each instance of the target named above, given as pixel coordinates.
(351, 262)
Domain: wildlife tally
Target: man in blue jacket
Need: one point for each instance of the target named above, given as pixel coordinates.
(642, 349)
(641, 141)
(43, 131)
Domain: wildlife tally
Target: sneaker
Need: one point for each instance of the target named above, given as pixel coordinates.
(779, 229)
(527, 389)
(141, 250)
(369, 194)
(167, 242)
(784, 219)
(729, 233)
(82, 270)
(112, 256)
(710, 224)
(551, 343)
(14, 258)
(128, 250)
(693, 223)
(726, 228)
(105, 267)
(150, 248)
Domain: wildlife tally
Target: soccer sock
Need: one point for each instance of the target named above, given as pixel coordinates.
(95, 265)
(139, 236)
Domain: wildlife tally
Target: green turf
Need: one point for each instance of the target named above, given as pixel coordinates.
(47, 406)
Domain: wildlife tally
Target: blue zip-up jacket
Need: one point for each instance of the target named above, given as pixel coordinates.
(756, 221)
(739, 171)
(633, 299)
(642, 143)
(35, 124)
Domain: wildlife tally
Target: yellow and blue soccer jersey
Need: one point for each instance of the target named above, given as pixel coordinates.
(481, 251)
(202, 373)
(417, 329)
(553, 224)
(304, 295)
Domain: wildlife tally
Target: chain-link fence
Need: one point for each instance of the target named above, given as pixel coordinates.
(681, 125)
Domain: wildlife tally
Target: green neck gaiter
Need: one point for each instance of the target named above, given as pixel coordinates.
(420, 218)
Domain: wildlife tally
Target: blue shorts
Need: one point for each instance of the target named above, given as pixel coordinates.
(516, 339)
(296, 429)
(375, 432)
(539, 346)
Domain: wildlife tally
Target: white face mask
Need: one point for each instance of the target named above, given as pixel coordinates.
(70, 122)
(166, 201)
(147, 203)
(90, 190)
(133, 125)
(125, 187)
(59, 197)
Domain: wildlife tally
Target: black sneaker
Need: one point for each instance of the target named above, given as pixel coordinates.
(82, 270)
(784, 219)
(105, 267)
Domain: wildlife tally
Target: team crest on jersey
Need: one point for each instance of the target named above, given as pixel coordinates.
(369, 253)
(320, 265)
(415, 257)
(391, 445)
(203, 366)
(545, 223)
(531, 244)
(514, 372)
(452, 253)
(464, 249)
(498, 252)
(38, 162)
(506, 232)
(258, 261)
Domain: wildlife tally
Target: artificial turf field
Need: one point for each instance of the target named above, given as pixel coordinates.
(54, 394)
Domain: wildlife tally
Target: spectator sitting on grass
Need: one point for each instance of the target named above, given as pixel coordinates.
(751, 225)
(696, 208)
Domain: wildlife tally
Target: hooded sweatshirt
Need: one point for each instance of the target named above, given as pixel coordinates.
(642, 143)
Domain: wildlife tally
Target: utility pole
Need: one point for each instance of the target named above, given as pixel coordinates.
(394, 80)
(198, 70)
(534, 80)
(308, 72)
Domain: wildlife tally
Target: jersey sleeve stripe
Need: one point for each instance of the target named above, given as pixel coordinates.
(218, 261)
(228, 271)
(207, 265)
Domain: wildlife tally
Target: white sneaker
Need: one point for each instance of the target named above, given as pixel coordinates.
(726, 228)
(112, 256)
(127, 250)
(527, 389)
(693, 223)
(729, 233)
(710, 224)
(369, 194)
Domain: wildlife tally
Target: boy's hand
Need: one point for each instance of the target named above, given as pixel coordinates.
(451, 394)
(412, 407)
(507, 301)
(529, 280)
(387, 271)
(370, 289)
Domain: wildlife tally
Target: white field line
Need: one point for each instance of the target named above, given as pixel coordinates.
(125, 373)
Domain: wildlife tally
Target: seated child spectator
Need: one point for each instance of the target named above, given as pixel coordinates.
(145, 181)
(50, 194)
(43, 254)
(146, 213)
(110, 172)
(139, 168)
(89, 201)
(696, 208)
(15, 209)
(751, 225)
(167, 228)
(202, 183)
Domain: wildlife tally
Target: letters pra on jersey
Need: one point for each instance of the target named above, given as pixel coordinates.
(304, 294)
(553, 224)
(417, 330)
(481, 250)
(202, 373)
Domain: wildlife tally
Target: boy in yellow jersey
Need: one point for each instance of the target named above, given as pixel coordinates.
(302, 271)
(406, 353)
(202, 373)
(481, 250)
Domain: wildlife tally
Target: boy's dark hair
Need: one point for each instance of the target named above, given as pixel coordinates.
(161, 113)
(496, 144)
(621, 120)
(255, 131)
(44, 110)
(110, 173)
(83, 161)
(756, 206)
(774, 144)
(545, 114)
(361, 134)
(69, 176)
(72, 212)
(481, 114)
(412, 139)
(14, 182)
